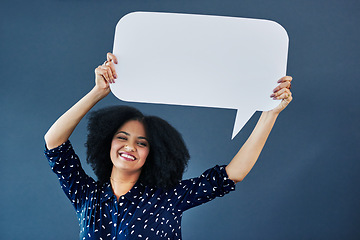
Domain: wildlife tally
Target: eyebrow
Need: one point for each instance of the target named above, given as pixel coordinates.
(128, 134)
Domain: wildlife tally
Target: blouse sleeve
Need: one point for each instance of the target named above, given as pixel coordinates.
(213, 183)
(76, 184)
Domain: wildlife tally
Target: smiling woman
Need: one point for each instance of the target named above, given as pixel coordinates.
(139, 162)
(167, 155)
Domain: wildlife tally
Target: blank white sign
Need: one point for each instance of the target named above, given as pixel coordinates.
(200, 60)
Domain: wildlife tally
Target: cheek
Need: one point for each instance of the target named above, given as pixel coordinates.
(144, 153)
(112, 153)
(114, 148)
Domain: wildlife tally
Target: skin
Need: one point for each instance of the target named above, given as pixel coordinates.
(125, 174)
(128, 153)
(248, 154)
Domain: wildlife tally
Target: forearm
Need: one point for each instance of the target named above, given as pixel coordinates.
(61, 130)
(247, 156)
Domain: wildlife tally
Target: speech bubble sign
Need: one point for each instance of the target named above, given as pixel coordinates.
(200, 60)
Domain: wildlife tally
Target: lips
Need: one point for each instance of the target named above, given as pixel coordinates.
(127, 156)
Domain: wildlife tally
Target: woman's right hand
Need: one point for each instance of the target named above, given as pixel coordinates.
(105, 74)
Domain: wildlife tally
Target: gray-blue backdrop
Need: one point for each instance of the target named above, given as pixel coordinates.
(306, 182)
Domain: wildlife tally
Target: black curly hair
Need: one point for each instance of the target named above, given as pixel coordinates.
(168, 156)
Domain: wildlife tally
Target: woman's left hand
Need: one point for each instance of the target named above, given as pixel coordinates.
(282, 91)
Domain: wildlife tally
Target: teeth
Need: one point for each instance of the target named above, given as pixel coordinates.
(127, 156)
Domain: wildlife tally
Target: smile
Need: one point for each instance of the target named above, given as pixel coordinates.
(127, 157)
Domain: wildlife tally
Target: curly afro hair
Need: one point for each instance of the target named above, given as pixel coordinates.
(168, 156)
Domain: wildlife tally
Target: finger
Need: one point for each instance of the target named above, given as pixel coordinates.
(103, 71)
(112, 68)
(284, 95)
(280, 92)
(109, 73)
(111, 57)
(282, 85)
(285, 79)
(108, 70)
(98, 70)
(277, 93)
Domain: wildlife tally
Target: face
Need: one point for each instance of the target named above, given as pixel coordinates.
(129, 147)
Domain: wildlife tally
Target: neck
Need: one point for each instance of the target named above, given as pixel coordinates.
(122, 182)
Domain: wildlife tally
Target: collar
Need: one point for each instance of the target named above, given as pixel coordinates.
(133, 195)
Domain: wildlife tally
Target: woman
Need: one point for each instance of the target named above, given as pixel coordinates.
(139, 161)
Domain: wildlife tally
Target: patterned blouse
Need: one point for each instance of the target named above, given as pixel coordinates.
(143, 212)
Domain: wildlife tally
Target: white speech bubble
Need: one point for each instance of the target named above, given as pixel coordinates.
(200, 60)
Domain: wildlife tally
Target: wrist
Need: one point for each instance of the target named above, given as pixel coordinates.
(272, 113)
(99, 93)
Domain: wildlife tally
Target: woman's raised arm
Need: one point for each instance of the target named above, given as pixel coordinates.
(61, 130)
(247, 156)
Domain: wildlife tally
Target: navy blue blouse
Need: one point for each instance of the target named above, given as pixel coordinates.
(143, 212)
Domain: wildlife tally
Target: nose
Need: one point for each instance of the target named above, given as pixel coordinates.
(129, 148)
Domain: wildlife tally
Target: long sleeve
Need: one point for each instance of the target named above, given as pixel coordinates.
(213, 183)
(76, 184)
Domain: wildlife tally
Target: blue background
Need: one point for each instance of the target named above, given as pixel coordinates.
(305, 184)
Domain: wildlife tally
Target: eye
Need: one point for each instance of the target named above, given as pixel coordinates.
(121, 138)
(142, 144)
